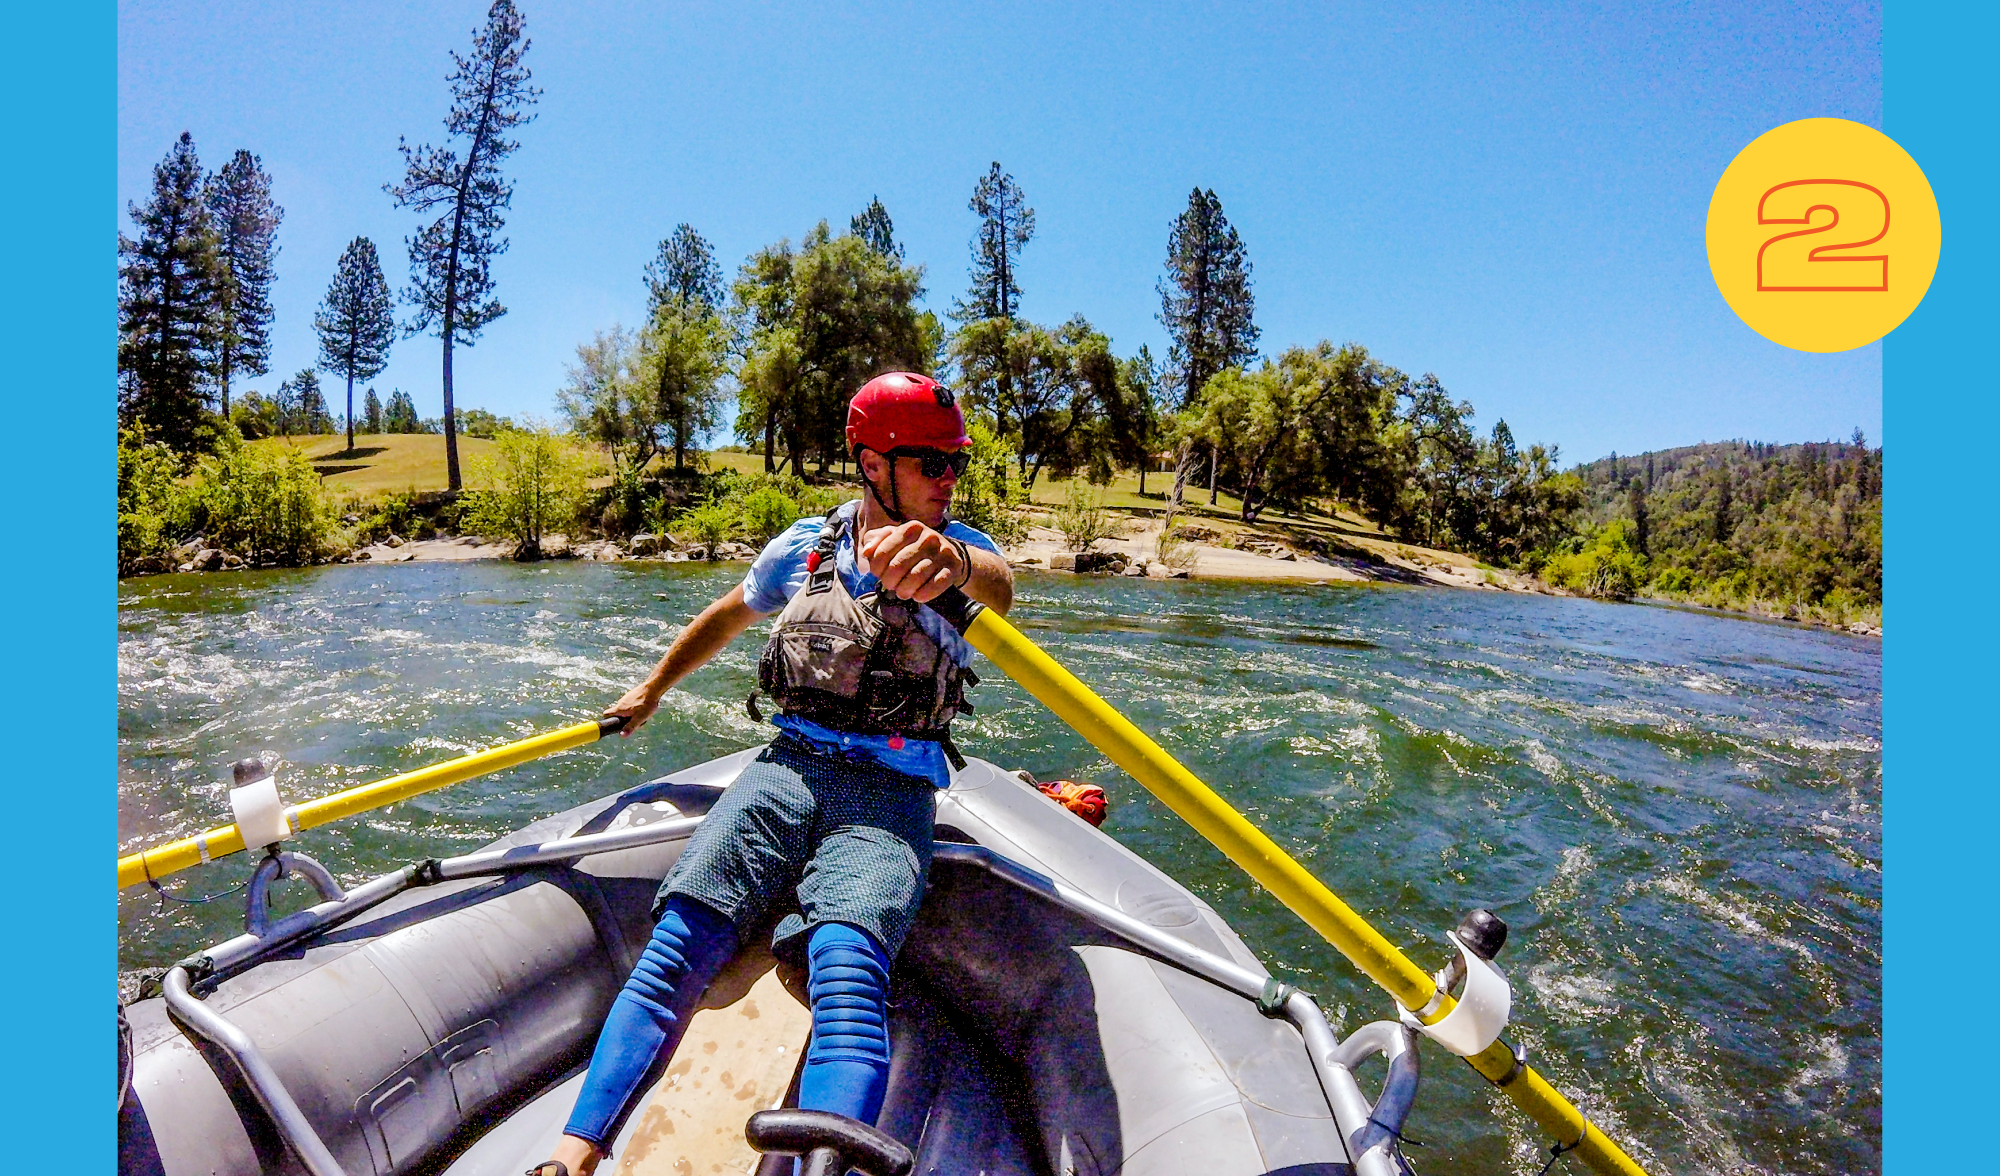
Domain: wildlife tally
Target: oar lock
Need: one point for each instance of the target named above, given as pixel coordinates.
(260, 816)
(1485, 999)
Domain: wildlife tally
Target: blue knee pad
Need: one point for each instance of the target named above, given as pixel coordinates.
(847, 1067)
(688, 948)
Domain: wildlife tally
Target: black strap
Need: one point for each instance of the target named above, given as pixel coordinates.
(1556, 1151)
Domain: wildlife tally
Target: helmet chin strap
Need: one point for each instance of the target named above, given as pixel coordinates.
(895, 512)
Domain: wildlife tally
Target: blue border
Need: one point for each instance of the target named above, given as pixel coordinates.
(1940, 408)
(60, 92)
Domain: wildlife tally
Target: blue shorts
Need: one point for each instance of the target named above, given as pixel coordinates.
(851, 836)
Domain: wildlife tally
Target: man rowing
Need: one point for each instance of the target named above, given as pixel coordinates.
(839, 807)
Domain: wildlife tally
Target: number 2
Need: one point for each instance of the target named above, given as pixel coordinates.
(1800, 266)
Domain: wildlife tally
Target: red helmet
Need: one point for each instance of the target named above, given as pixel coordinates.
(905, 409)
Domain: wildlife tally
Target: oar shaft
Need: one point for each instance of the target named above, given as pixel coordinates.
(190, 851)
(1273, 868)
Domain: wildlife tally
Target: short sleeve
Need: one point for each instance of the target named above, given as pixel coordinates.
(780, 569)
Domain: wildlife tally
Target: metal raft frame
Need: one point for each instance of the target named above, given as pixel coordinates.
(1369, 1131)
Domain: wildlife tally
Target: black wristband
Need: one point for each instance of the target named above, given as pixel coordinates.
(964, 557)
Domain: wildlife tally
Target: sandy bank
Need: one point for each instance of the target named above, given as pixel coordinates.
(1264, 559)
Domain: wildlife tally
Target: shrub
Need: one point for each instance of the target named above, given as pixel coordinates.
(1674, 580)
(1082, 518)
(823, 500)
(709, 524)
(1173, 546)
(1605, 567)
(531, 484)
(765, 512)
(391, 514)
(152, 505)
(987, 495)
(266, 504)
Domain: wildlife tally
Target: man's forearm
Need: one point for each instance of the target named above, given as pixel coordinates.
(992, 581)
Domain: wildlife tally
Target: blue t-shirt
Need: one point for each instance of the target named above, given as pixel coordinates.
(777, 576)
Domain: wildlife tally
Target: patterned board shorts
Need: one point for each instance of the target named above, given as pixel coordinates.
(852, 836)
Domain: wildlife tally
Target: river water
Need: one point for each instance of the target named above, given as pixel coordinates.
(1678, 814)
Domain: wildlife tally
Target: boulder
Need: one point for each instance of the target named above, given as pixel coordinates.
(1180, 573)
(1155, 570)
(1089, 562)
(642, 545)
(208, 559)
(1136, 568)
(733, 550)
(232, 561)
(394, 540)
(1063, 561)
(697, 551)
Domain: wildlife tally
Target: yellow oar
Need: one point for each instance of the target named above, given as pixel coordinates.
(179, 855)
(1259, 856)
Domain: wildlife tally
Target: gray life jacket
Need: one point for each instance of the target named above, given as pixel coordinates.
(863, 666)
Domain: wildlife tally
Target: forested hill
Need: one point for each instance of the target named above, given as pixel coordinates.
(1736, 522)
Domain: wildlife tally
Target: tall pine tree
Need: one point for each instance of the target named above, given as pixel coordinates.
(371, 413)
(1206, 306)
(872, 225)
(1006, 224)
(1205, 299)
(451, 277)
(684, 270)
(356, 322)
(168, 281)
(246, 227)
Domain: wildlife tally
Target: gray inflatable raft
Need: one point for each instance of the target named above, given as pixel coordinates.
(1062, 1008)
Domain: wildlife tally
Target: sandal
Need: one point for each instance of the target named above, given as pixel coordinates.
(549, 1168)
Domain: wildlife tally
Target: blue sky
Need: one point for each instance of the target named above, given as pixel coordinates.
(1512, 197)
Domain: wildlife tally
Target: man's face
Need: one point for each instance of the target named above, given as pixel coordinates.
(923, 498)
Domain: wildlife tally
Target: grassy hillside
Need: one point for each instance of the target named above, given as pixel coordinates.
(383, 463)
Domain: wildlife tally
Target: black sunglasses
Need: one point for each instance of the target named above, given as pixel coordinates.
(935, 461)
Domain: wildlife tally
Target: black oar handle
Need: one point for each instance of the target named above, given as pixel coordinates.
(956, 608)
(611, 725)
(852, 1143)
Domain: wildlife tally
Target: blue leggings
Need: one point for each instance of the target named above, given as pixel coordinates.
(847, 1066)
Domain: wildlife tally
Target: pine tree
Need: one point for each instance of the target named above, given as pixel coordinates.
(1635, 504)
(371, 409)
(1206, 306)
(246, 225)
(357, 321)
(313, 417)
(684, 269)
(1205, 299)
(451, 277)
(401, 415)
(872, 225)
(168, 294)
(1006, 224)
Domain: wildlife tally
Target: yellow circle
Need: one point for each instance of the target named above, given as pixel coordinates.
(1823, 234)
